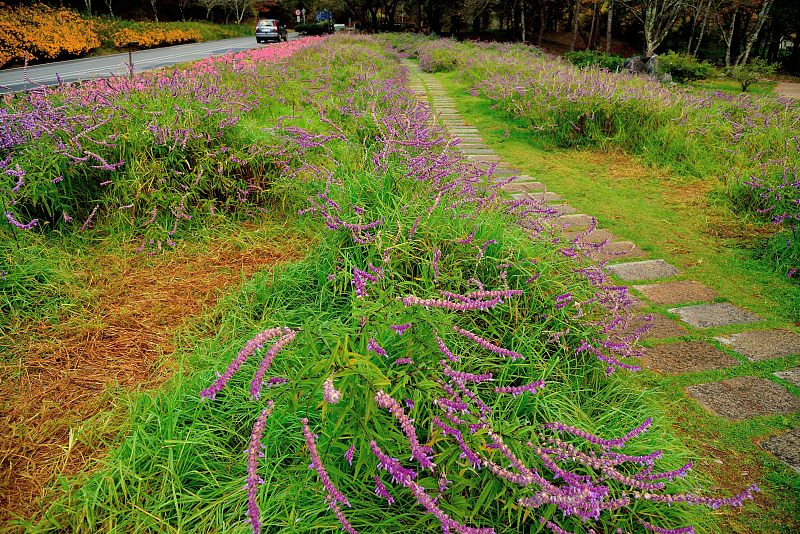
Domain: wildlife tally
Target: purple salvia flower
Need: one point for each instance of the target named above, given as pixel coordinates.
(254, 452)
(334, 494)
(348, 455)
(446, 351)
(32, 223)
(346, 526)
(276, 381)
(464, 377)
(553, 527)
(482, 305)
(467, 240)
(250, 347)
(414, 228)
(409, 404)
(373, 346)
(563, 300)
(466, 452)
(532, 387)
(330, 394)
(437, 255)
(711, 502)
(616, 443)
(381, 491)
(400, 328)
(266, 362)
(89, 218)
(488, 345)
(418, 452)
(403, 361)
(57, 179)
(391, 465)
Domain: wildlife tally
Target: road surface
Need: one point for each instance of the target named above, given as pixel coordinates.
(12, 80)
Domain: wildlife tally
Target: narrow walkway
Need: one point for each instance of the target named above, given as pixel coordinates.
(660, 286)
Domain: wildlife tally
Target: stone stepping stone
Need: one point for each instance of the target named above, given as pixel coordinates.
(598, 235)
(686, 357)
(760, 345)
(576, 221)
(482, 157)
(660, 327)
(523, 187)
(543, 196)
(743, 397)
(790, 375)
(676, 292)
(562, 209)
(477, 151)
(715, 314)
(643, 270)
(786, 448)
(618, 250)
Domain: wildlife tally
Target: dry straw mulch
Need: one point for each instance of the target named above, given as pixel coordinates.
(61, 376)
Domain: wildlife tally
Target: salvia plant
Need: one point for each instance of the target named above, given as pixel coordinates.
(438, 388)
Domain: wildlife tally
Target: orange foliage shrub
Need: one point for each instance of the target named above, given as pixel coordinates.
(43, 33)
(149, 36)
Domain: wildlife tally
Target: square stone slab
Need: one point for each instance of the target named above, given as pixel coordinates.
(617, 251)
(790, 375)
(660, 327)
(763, 344)
(575, 221)
(715, 314)
(643, 270)
(598, 235)
(743, 397)
(676, 292)
(786, 448)
(523, 187)
(686, 357)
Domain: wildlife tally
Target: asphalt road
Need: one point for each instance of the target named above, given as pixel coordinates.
(12, 80)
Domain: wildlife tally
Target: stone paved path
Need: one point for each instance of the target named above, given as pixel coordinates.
(694, 304)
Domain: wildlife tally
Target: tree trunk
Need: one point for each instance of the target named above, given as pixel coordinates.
(109, 4)
(729, 39)
(609, 25)
(419, 16)
(155, 9)
(762, 15)
(522, 20)
(702, 28)
(542, 16)
(576, 13)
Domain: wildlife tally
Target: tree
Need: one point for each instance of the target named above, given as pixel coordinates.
(609, 24)
(741, 59)
(658, 18)
(209, 6)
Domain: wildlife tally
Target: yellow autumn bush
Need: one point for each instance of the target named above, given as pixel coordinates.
(43, 32)
(150, 36)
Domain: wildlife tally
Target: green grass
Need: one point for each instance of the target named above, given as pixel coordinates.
(732, 86)
(686, 221)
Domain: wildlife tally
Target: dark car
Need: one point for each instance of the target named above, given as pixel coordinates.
(270, 30)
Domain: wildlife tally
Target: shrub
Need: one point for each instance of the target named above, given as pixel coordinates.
(684, 68)
(750, 73)
(40, 32)
(585, 58)
(439, 56)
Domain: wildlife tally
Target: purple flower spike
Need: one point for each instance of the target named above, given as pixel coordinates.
(349, 455)
(27, 226)
(373, 346)
(403, 361)
(419, 452)
(381, 491)
(488, 345)
(334, 494)
(253, 455)
(266, 362)
(400, 328)
(532, 387)
(249, 348)
(330, 394)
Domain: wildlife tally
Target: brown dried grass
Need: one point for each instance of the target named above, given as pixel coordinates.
(62, 380)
